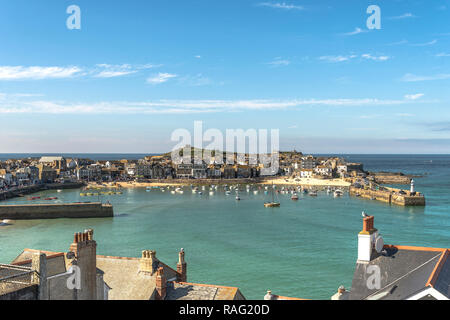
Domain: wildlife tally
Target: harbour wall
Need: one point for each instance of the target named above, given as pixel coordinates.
(390, 195)
(18, 192)
(54, 211)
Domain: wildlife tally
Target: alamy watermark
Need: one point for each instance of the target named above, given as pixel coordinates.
(374, 20)
(74, 280)
(74, 20)
(237, 146)
(374, 280)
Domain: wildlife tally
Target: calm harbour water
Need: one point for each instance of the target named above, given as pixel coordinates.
(303, 249)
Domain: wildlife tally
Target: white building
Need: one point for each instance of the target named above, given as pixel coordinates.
(306, 173)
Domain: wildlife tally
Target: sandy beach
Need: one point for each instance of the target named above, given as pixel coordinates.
(275, 181)
(308, 182)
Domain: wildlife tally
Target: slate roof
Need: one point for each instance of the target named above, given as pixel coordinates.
(56, 262)
(404, 271)
(195, 291)
(126, 282)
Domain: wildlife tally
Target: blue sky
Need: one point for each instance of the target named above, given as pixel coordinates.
(137, 70)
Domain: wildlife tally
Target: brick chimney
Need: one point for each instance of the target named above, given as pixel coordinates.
(85, 249)
(366, 239)
(161, 284)
(148, 263)
(181, 267)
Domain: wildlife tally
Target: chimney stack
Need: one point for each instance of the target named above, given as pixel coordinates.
(366, 239)
(161, 284)
(148, 262)
(39, 277)
(84, 248)
(181, 267)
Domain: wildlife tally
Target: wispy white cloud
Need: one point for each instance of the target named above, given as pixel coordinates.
(398, 43)
(354, 32)
(443, 54)
(343, 58)
(375, 58)
(111, 71)
(404, 115)
(409, 77)
(196, 80)
(281, 5)
(403, 16)
(277, 62)
(57, 72)
(181, 106)
(105, 70)
(337, 58)
(161, 78)
(430, 43)
(37, 72)
(414, 96)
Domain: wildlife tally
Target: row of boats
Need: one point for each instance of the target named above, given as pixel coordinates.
(212, 189)
(91, 194)
(38, 198)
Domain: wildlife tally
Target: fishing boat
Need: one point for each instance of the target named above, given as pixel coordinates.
(272, 204)
(294, 196)
(337, 193)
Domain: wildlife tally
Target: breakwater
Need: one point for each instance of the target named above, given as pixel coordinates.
(54, 211)
(19, 192)
(390, 195)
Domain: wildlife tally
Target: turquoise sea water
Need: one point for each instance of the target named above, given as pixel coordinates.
(303, 249)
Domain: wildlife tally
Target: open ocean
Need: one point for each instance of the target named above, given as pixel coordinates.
(303, 249)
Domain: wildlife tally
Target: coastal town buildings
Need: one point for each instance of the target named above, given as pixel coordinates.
(49, 169)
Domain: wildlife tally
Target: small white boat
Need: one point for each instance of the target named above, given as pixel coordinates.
(294, 196)
(211, 193)
(5, 222)
(337, 193)
(238, 198)
(172, 192)
(59, 190)
(228, 193)
(255, 192)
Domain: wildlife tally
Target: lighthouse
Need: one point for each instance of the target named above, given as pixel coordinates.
(412, 186)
